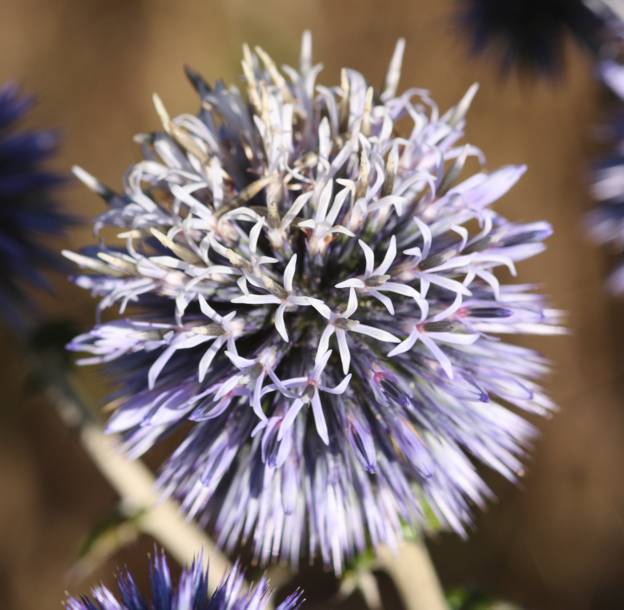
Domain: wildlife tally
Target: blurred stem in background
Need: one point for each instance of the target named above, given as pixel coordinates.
(411, 570)
(415, 577)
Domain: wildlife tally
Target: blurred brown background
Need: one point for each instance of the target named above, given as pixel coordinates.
(555, 542)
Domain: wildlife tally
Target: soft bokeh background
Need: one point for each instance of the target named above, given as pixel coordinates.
(555, 542)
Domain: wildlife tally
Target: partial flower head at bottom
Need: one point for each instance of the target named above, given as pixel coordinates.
(190, 592)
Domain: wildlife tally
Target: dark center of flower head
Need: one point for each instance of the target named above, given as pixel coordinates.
(315, 288)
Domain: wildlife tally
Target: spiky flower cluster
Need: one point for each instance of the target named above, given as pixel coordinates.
(530, 34)
(27, 208)
(313, 287)
(191, 592)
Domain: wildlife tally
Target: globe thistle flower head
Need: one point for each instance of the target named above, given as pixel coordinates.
(27, 208)
(315, 296)
(190, 592)
(529, 34)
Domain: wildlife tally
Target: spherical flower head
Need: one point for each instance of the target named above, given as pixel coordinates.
(529, 34)
(27, 208)
(190, 593)
(312, 279)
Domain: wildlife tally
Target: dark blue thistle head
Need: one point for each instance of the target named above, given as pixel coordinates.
(529, 34)
(190, 592)
(28, 210)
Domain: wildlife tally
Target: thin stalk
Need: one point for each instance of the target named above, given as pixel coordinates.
(415, 577)
(160, 518)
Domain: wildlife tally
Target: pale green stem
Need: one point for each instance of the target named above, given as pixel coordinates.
(415, 577)
(134, 483)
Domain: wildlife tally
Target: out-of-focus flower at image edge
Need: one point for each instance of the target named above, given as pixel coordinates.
(529, 34)
(28, 210)
(190, 593)
(312, 298)
(605, 222)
